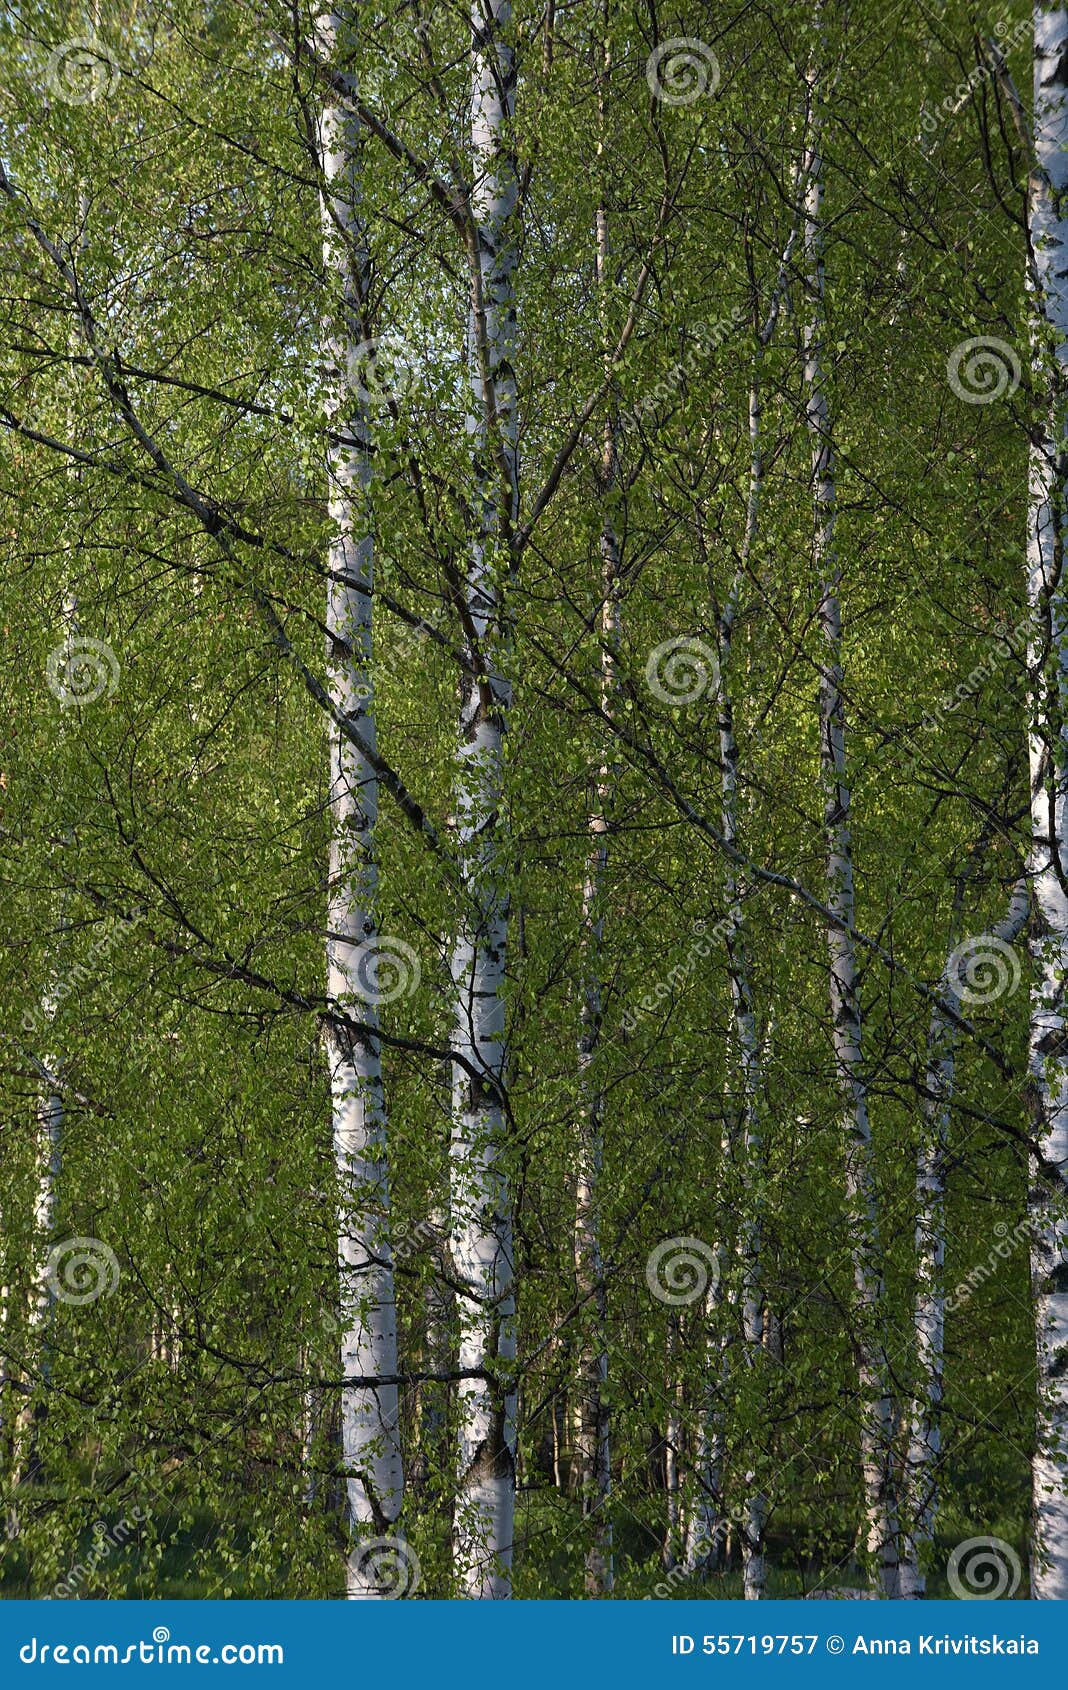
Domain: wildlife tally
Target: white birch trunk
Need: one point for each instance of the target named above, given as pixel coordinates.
(673, 1444)
(703, 1531)
(592, 1445)
(704, 1528)
(50, 1119)
(481, 1226)
(370, 1436)
(311, 1407)
(1048, 668)
(929, 1307)
(49, 1149)
(746, 1038)
(435, 1478)
(928, 1318)
(876, 1418)
(25, 1464)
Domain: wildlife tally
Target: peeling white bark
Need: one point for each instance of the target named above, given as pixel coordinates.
(921, 1478)
(49, 1158)
(876, 1416)
(592, 1449)
(673, 1443)
(1048, 734)
(704, 1528)
(928, 1318)
(370, 1434)
(50, 1120)
(481, 1224)
(592, 1444)
(25, 1458)
(747, 1052)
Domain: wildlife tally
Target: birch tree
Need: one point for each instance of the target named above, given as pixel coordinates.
(211, 459)
(846, 1025)
(1048, 728)
(592, 1445)
(922, 1477)
(481, 1225)
(370, 1433)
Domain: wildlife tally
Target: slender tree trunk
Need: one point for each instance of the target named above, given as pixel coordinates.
(674, 1446)
(49, 1156)
(929, 1308)
(747, 1053)
(704, 1531)
(370, 1435)
(435, 1479)
(928, 1318)
(876, 1417)
(1048, 667)
(26, 1459)
(480, 1201)
(311, 1405)
(592, 1445)
(593, 1455)
(50, 1120)
(559, 1412)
